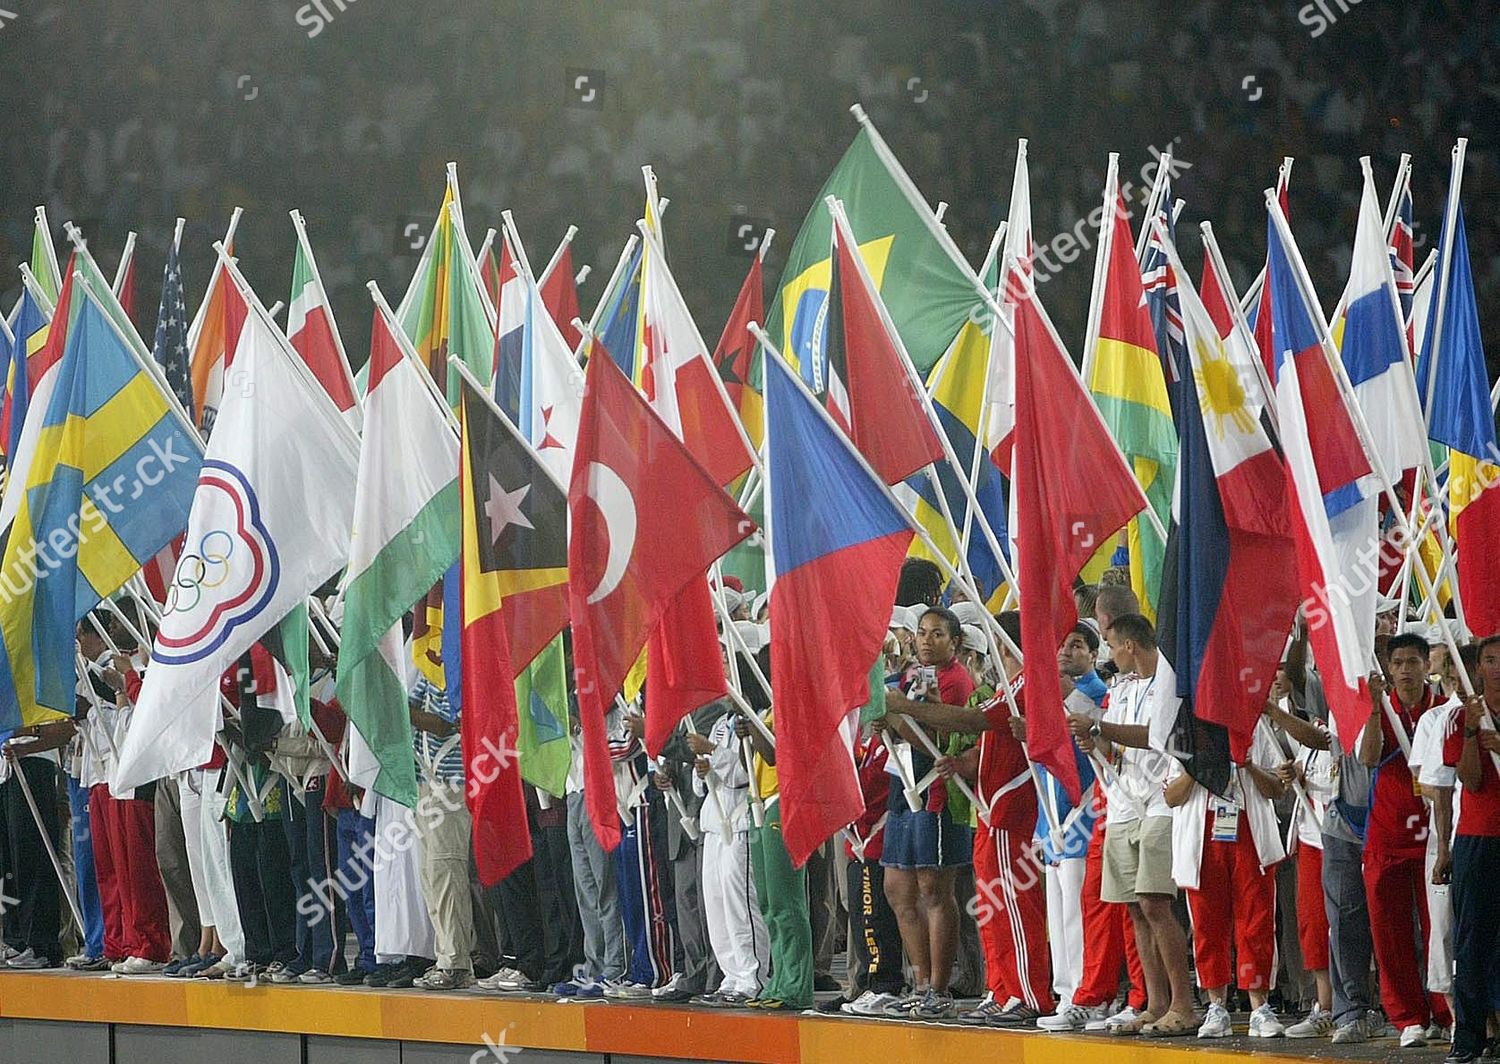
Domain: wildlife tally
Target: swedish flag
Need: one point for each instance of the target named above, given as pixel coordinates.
(110, 484)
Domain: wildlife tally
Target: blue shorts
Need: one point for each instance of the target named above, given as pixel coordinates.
(925, 840)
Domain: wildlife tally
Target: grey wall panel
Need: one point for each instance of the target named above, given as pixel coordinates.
(436, 1053)
(44, 1041)
(175, 1045)
(322, 1050)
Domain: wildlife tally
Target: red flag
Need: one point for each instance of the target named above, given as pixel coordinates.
(882, 413)
(734, 355)
(560, 297)
(1074, 492)
(647, 520)
(127, 289)
(684, 666)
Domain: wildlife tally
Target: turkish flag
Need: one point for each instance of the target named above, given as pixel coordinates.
(647, 521)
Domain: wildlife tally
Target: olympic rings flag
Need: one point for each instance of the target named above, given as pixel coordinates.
(270, 522)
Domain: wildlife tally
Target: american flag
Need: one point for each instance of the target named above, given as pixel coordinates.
(1401, 261)
(170, 347)
(1160, 282)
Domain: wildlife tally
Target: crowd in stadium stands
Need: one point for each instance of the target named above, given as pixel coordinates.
(738, 107)
(1332, 886)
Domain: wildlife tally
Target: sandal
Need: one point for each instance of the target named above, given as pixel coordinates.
(1172, 1025)
(1131, 1027)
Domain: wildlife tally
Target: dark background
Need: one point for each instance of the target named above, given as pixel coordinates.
(122, 114)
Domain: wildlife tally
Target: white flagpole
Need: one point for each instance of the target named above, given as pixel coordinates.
(605, 296)
(409, 353)
(35, 288)
(1237, 317)
(1153, 202)
(123, 269)
(557, 255)
(195, 330)
(1101, 263)
(48, 247)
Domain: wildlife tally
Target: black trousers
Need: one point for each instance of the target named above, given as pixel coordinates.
(875, 937)
(537, 909)
(1476, 938)
(261, 865)
(33, 907)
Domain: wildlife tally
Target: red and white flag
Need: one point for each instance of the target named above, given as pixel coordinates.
(314, 335)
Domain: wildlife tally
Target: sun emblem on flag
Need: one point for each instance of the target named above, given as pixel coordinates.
(1222, 391)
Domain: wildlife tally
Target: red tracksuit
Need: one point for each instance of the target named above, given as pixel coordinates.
(130, 888)
(1312, 914)
(1234, 906)
(1394, 870)
(1108, 937)
(1007, 871)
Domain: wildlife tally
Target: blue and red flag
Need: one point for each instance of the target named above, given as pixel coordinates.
(1334, 506)
(1402, 264)
(837, 544)
(1160, 282)
(1461, 415)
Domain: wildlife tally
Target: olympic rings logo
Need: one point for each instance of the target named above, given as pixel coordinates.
(200, 571)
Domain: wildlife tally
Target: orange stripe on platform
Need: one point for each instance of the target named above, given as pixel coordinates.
(598, 1027)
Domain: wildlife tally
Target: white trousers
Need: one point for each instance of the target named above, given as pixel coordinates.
(402, 926)
(1065, 926)
(735, 928)
(213, 851)
(1440, 929)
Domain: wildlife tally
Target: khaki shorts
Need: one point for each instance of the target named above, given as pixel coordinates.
(1137, 860)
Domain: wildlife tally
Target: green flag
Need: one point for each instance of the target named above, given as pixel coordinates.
(542, 705)
(929, 295)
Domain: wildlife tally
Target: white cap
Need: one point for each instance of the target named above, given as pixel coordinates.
(755, 635)
(903, 617)
(968, 612)
(974, 638)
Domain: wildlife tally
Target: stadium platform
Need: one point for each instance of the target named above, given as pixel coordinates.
(74, 1019)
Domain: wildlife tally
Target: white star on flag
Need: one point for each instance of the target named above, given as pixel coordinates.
(504, 509)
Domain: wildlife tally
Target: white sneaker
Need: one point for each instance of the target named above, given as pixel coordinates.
(139, 966)
(869, 1003)
(624, 990)
(1264, 1023)
(1072, 1018)
(1413, 1037)
(1216, 1023)
(1438, 1033)
(1119, 1019)
(1316, 1024)
(670, 986)
(505, 979)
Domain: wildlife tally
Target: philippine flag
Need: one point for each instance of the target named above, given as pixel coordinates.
(837, 544)
(1334, 505)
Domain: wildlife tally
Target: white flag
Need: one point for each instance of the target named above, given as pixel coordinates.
(270, 523)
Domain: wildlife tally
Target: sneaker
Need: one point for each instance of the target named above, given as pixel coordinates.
(733, 999)
(869, 1003)
(591, 991)
(1316, 1024)
(204, 960)
(139, 966)
(353, 977)
(1438, 1033)
(383, 974)
(935, 1005)
(445, 979)
(903, 1006)
(281, 973)
(246, 972)
(1352, 1032)
(1016, 1014)
(1264, 1023)
(625, 990)
(6, 953)
(1119, 1019)
(1216, 1022)
(218, 970)
(1072, 1018)
(507, 980)
(1414, 1037)
(28, 961)
(1457, 1057)
(987, 1009)
(174, 969)
(405, 978)
(566, 989)
(82, 962)
(315, 977)
(672, 990)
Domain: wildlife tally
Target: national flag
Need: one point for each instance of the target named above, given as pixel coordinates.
(1072, 492)
(1260, 314)
(1228, 595)
(169, 347)
(1402, 262)
(314, 334)
(1160, 282)
(1334, 511)
(213, 338)
(870, 392)
(124, 286)
(620, 325)
(405, 536)
(542, 714)
(734, 356)
(109, 484)
(647, 520)
(551, 394)
(44, 258)
(514, 539)
(679, 381)
(511, 307)
(30, 327)
(999, 435)
(837, 542)
(270, 524)
(560, 295)
(1461, 415)
(1130, 388)
(928, 294)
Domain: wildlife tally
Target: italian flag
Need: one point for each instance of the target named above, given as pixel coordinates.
(406, 535)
